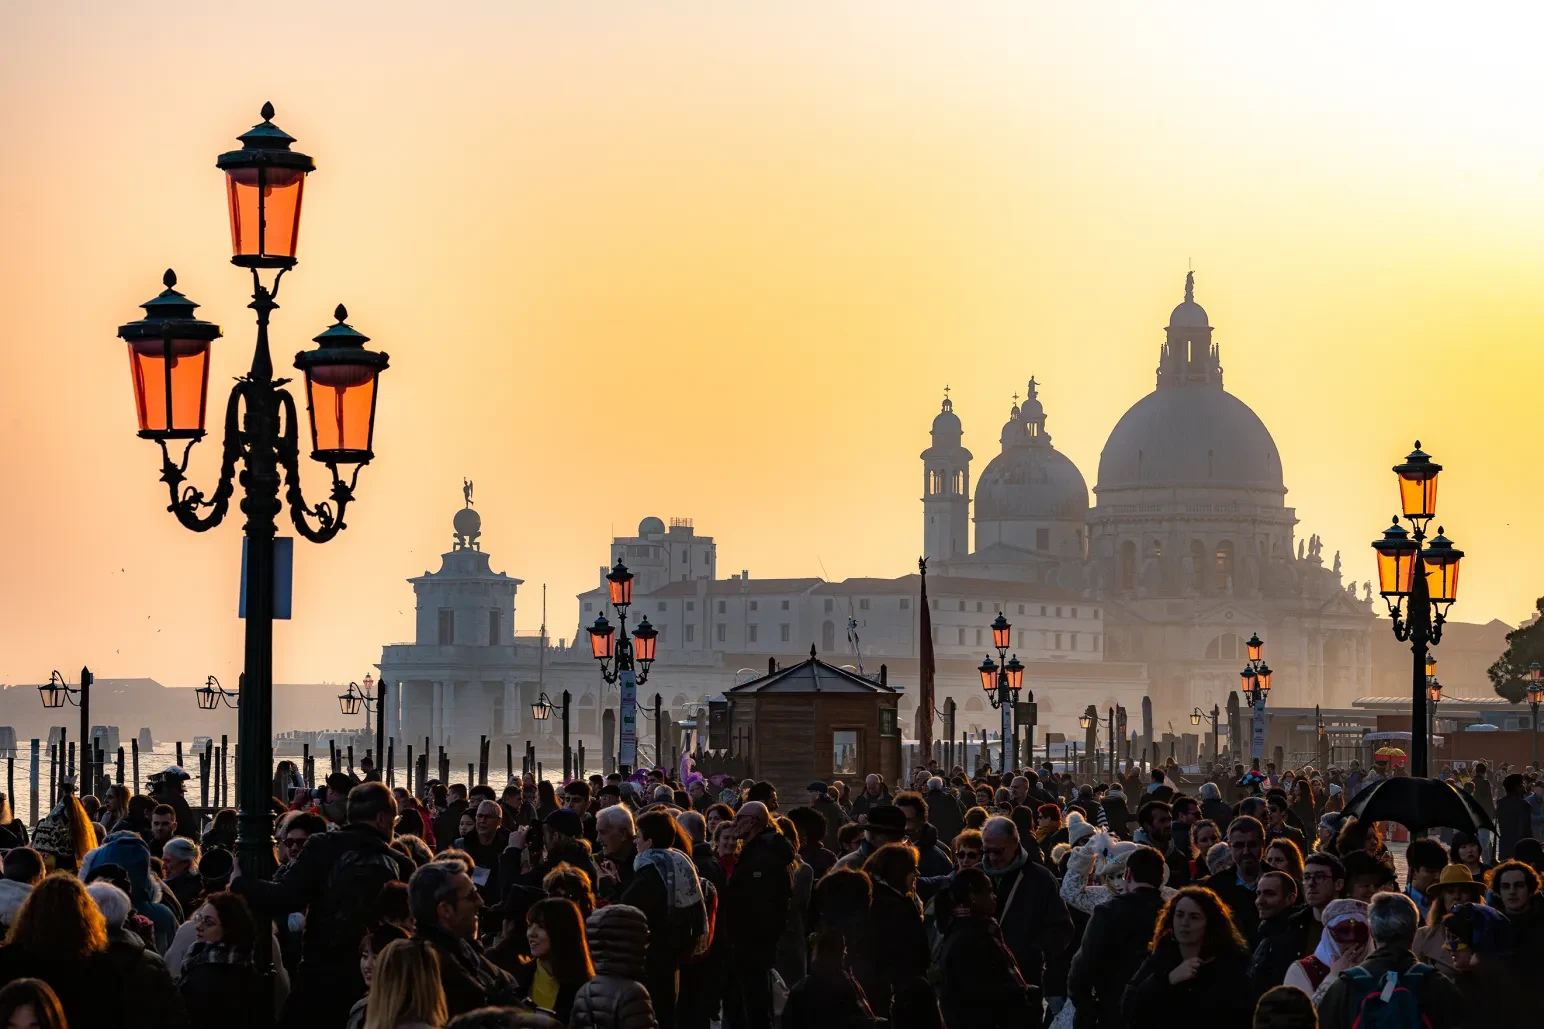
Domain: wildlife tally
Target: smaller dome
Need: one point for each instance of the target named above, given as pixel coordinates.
(467, 522)
(1189, 314)
(651, 526)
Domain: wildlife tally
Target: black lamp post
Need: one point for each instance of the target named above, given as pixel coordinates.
(1418, 585)
(211, 695)
(1195, 719)
(632, 656)
(1002, 682)
(1255, 681)
(54, 695)
(542, 710)
(371, 696)
(169, 360)
(1088, 721)
(1535, 698)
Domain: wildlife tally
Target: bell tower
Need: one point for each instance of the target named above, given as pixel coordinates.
(946, 488)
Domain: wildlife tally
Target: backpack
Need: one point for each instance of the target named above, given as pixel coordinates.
(1394, 1002)
(695, 927)
(354, 883)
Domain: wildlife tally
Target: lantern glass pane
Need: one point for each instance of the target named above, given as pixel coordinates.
(600, 644)
(1255, 649)
(1396, 572)
(189, 379)
(1442, 582)
(621, 591)
(988, 678)
(643, 646)
(342, 402)
(1418, 497)
(1001, 637)
(265, 222)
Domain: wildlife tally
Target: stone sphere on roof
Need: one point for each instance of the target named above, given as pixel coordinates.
(651, 526)
(467, 522)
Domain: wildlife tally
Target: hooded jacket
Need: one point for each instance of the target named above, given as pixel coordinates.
(754, 907)
(615, 998)
(129, 852)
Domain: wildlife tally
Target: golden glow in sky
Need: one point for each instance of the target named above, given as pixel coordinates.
(720, 260)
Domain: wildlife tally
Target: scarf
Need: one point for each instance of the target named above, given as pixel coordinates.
(678, 873)
(215, 954)
(1013, 866)
(1328, 950)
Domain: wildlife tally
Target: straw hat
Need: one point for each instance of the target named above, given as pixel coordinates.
(1457, 877)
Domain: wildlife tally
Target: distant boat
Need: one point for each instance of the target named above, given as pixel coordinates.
(200, 742)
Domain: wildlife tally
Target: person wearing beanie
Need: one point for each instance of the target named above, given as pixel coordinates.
(1486, 968)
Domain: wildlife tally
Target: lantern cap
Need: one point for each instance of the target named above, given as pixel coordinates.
(1440, 550)
(169, 313)
(265, 143)
(645, 629)
(341, 343)
(1417, 466)
(1395, 539)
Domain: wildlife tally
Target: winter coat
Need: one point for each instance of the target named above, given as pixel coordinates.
(890, 957)
(129, 852)
(13, 835)
(943, 814)
(754, 905)
(332, 932)
(1240, 901)
(1117, 813)
(469, 979)
(1514, 821)
(1034, 919)
(1441, 1003)
(1219, 996)
(1219, 811)
(863, 803)
(1114, 947)
(979, 984)
(646, 892)
(148, 989)
(835, 819)
(90, 991)
(525, 976)
(616, 997)
(793, 944)
(933, 856)
(220, 988)
(1284, 939)
(827, 998)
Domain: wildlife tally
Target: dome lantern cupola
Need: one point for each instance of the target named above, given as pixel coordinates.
(1188, 353)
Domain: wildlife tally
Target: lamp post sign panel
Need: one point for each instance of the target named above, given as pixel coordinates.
(629, 749)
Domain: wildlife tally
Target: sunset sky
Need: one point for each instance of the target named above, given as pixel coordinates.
(719, 260)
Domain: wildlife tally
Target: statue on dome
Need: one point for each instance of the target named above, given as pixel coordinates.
(466, 490)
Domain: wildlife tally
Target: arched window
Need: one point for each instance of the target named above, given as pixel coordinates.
(587, 714)
(959, 484)
(1227, 647)
(828, 637)
(1224, 564)
(974, 704)
(1128, 565)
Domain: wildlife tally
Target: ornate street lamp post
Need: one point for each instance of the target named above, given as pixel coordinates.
(624, 659)
(1418, 585)
(541, 711)
(169, 365)
(211, 695)
(1535, 698)
(54, 695)
(1002, 682)
(1434, 697)
(1195, 719)
(371, 696)
(1255, 681)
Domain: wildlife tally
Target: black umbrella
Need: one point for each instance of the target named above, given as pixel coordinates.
(1417, 804)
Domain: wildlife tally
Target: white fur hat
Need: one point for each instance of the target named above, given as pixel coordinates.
(1078, 829)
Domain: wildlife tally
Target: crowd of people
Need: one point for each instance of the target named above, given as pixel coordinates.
(954, 901)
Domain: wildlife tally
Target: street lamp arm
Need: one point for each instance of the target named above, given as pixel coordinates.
(329, 518)
(185, 502)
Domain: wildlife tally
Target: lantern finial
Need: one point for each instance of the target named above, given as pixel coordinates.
(267, 113)
(340, 312)
(169, 279)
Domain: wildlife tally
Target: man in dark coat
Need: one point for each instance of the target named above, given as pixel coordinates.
(1115, 944)
(943, 812)
(445, 906)
(1034, 920)
(327, 880)
(1158, 789)
(1514, 818)
(447, 824)
(1282, 931)
(1235, 886)
(751, 915)
(831, 811)
(933, 856)
(1156, 829)
(875, 794)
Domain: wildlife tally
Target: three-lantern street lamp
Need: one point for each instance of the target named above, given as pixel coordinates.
(1003, 681)
(1255, 682)
(1535, 698)
(623, 659)
(1418, 584)
(55, 694)
(542, 710)
(169, 350)
(211, 695)
(1195, 719)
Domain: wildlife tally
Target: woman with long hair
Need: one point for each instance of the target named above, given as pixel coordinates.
(218, 980)
(1283, 856)
(1456, 885)
(66, 835)
(1204, 835)
(891, 956)
(1356, 834)
(560, 956)
(370, 947)
(286, 780)
(546, 800)
(13, 831)
(30, 1004)
(405, 990)
(1197, 963)
(59, 936)
(222, 831)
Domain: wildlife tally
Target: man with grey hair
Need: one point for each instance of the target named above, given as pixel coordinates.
(614, 837)
(1391, 975)
(1034, 919)
(445, 905)
(665, 795)
(147, 987)
(179, 862)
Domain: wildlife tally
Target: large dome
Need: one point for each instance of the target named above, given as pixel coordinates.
(1193, 434)
(1031, 483)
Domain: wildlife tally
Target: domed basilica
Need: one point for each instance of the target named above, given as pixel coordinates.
(1189, 543)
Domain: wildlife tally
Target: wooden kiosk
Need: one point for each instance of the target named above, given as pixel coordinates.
(815, 721)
